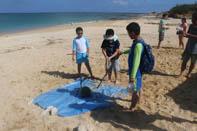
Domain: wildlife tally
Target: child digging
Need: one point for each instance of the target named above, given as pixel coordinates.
(82, 51)
(110, 49)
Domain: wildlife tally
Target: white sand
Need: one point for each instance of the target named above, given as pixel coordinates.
(34, 62)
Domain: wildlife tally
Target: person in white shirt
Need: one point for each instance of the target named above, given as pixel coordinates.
(81, 50)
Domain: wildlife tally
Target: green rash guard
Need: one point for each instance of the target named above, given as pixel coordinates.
(136, 59)
(126, 52)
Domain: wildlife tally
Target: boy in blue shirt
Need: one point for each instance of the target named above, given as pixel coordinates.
(81, 50)
(135, 75)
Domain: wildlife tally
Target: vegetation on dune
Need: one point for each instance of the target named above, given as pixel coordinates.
(183, 9)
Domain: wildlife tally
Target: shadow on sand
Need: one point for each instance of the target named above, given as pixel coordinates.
(185, 95)
(65, 75)
(62, 74)
(161, 74)
(137, 120)
(171, 48)
(152, 73)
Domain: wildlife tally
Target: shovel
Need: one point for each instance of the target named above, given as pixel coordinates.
(107, 71)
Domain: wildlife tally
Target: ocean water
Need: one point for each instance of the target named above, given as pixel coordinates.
(14, 22)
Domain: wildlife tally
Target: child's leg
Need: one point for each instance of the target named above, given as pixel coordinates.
(183, 46)
(136, 95)
(185, 58)
(109, 74)
(181, 43)
(183, 67)
(192, 66)
(134, 100)
(108, 67)
(116, 77)
(89, 69)
(79, 70)
(159, 44)
(139, 97)
(116, 70)
(161, 38)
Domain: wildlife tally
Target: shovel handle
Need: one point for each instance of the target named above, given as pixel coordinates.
(107, 70)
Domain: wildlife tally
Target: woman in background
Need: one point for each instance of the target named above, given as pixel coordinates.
(183, 27)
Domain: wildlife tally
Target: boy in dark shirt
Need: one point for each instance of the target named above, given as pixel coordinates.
(110, 49)
(191, 47)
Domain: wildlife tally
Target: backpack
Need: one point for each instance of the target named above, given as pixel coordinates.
(147, 59)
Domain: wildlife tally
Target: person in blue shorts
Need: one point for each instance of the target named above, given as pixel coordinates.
(135, 75)
(81, 49)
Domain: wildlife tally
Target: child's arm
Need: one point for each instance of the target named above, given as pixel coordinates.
(124, 52)
(88, 52)
(88, 46)
(190, 36)
(104, 53)
(164, 28)
(74, 50)
(73, 55)
(114, 55)
(136, 61)
(117, 45)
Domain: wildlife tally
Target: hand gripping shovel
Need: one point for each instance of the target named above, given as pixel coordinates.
(107, 71)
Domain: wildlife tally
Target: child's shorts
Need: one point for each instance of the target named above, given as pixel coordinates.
(161, 36)
(115, 65)
(186, 57)
(138, 84)
(81, 58)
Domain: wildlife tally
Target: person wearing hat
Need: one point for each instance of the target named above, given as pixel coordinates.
(110, 49)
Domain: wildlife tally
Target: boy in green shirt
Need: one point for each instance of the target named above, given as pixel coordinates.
(136, 51)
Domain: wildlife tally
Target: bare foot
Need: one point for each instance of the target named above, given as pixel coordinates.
(131, 109)
(117, 82)
(93, 78)
(189, 76)
(180, 76)
(109, 81)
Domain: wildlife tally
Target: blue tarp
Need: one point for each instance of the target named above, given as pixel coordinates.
(68, 101)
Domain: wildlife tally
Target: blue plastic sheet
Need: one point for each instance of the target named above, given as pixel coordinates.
(68, 101)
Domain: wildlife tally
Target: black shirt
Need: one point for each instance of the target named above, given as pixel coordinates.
(110, 47)
(191, 47)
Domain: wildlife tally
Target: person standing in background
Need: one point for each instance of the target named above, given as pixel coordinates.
(162, 29)
(183, 28)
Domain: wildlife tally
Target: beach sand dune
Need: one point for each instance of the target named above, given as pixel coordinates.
(35, 62)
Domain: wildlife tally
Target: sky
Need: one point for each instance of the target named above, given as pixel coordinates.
(133, 6)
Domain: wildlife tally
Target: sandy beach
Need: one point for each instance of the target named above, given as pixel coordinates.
(37, 61)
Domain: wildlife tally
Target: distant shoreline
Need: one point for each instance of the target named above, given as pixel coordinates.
(46, 20)
(64, 26)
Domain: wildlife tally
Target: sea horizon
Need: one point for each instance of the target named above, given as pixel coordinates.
(16, 22)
